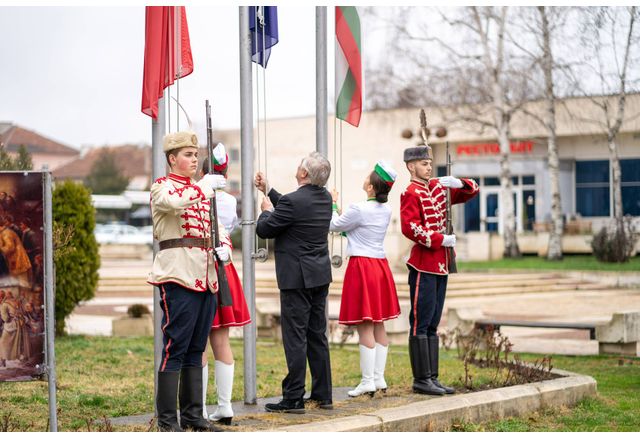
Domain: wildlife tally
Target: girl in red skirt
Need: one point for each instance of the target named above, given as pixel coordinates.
(226, 316)
(369, 294)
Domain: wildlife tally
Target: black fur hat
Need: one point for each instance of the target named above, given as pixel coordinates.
(418, 153)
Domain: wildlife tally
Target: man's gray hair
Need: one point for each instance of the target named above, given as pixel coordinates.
(318, 168)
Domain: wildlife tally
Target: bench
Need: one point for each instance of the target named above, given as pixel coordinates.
(620, 335)
(494, 325)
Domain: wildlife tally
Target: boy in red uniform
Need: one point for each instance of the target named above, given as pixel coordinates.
(423, 218)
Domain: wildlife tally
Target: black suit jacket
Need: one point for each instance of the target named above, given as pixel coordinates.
(300, 226)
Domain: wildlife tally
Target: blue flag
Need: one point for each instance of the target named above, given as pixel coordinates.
(263, 24)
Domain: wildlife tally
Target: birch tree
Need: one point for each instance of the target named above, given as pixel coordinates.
(611, 39)
(545, 25)
(471, 75)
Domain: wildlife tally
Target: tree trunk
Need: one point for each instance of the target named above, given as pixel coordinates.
(555, 237)
(616, 175)
(507, 208)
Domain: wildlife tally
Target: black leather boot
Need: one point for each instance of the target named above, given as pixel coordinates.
(191, 401)
(419, 355)
(434, 354)
(166, 397)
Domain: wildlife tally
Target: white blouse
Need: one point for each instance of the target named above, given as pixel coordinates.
(366, 225)
(227, 215)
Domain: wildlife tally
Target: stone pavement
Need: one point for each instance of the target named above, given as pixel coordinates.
(551, 296)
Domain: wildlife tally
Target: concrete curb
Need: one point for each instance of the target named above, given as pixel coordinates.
(438, 414)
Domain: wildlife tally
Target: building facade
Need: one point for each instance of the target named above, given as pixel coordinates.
(585, 175)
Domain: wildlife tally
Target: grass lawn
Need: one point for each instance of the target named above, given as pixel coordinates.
(570, 262)
(616, 408)
(109, 377)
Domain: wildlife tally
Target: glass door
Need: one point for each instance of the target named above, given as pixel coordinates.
(489, 209)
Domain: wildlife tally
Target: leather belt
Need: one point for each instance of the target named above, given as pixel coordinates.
(185, 242)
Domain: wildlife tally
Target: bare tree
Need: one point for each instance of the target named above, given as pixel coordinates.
(472, 75)
(612, 41)
(544, 25)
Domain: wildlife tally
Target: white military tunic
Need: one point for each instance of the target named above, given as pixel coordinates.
(180, 209)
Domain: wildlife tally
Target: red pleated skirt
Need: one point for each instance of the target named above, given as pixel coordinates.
(238, 313)
(369, 292)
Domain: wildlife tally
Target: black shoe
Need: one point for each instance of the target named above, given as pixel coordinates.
(426, 387)
(434, 354)
(166, 396)
(286, 406)
(325, 404)
(191, 401)
(419, 356)
(448, 390)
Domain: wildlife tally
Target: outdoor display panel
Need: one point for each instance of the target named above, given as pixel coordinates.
(22, 320)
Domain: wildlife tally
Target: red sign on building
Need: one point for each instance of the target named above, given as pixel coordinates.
(523, 147)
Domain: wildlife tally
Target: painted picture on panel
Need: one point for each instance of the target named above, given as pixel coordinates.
(21, 276)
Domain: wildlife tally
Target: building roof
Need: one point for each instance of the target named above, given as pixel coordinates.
(132, 160)
(574, 116)
(12, 136)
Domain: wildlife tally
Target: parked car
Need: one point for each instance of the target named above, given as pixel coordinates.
(122, 234)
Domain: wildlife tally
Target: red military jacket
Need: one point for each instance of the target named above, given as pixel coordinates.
(423, 218)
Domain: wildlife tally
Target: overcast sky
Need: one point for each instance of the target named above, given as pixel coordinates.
(75, 73)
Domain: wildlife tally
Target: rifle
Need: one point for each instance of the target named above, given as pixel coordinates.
(223, 284)
(453, 267)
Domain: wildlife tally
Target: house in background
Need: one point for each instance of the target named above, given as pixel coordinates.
(133, 161)
(43, 150)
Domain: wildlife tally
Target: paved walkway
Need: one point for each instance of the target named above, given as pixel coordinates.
(255, 418)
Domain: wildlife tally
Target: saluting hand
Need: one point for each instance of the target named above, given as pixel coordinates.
(215, 181)
(451, 182)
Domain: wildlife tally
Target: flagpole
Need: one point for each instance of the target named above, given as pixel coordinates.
(158, 170)
(321, 101)
(248, 207)
(321, 81)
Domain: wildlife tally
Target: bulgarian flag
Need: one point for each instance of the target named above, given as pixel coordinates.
(349, 79)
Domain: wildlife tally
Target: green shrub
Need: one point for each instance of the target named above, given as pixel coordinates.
(76, 270)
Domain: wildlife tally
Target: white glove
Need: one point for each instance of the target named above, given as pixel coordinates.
(223, 253)
(451, 182)
(448, 240)
(215, 181)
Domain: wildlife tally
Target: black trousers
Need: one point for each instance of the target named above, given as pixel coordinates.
(186, 321)
(304, 326)
(427, 293)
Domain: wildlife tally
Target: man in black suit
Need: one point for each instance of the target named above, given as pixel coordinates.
(299, 222)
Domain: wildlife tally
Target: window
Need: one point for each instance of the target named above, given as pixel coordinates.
(592, 188)
(441, 171)
(528, 179)
(491, 181)
(472, 215)
(630, 186)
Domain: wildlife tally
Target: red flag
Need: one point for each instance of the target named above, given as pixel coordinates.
(166, 57)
